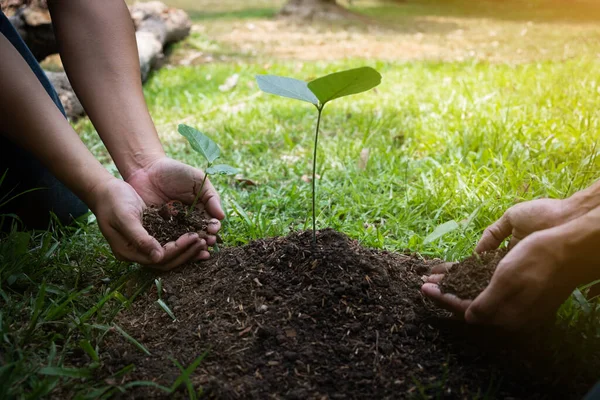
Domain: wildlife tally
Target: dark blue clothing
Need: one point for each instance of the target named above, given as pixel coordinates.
(594, 394)
(24, 171)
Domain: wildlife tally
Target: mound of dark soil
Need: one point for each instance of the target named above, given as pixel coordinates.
(471, 276)
(283, 319)
(169, 222)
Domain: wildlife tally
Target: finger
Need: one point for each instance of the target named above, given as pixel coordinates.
(214, 226)
(142, 247)
(484, 308)
(203, 255)
(445, 300)
(513, 242)
(441, 268)
(175, 249)
(494, 235)
(212, 201)
(190, 254)
(123, 250)
(435, 278)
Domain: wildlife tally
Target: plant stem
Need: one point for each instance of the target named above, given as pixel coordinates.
(198, 193)
(314, 173)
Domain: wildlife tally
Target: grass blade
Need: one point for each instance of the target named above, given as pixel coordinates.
(132, 340)
(166, 309)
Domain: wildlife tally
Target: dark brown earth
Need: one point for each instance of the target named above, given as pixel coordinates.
(282, 319)
(172, 220)
(471, 276)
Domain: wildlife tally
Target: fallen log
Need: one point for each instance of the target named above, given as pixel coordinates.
(156, 26)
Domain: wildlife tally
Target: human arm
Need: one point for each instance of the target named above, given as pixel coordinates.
(99, 52)
(30, 119)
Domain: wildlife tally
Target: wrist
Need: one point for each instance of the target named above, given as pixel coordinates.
(98, 191)
(139, 161)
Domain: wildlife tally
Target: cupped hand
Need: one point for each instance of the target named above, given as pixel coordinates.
(528, 286)
(165, 179)
(523, 219)
(118, 209)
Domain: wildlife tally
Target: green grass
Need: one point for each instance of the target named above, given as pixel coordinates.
(447, 141)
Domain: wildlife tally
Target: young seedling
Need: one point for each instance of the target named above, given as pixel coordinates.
(210, 151)
(319, 92)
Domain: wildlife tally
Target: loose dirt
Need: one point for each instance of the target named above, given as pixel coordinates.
(471, 276)
(281, 318)
(169, 222)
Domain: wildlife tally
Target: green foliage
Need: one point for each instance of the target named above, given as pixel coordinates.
(205, 146)
(441, 230)
(286, 87)
(221, 169)
(200, 143)
(344, 83)
(323, 89)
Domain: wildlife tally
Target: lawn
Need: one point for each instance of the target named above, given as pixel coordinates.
(479, 108)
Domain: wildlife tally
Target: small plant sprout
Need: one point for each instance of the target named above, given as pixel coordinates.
(319, 92)
(210, 151)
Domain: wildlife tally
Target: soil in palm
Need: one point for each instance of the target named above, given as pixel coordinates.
(169, 222)
(471, 276)
(281, 318)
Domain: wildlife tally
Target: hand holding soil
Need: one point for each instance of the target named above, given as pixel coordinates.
(524, 287)
(119, 207)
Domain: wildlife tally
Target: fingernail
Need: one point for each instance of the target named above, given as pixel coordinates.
(155, 255)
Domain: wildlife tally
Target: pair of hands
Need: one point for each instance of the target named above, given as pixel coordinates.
(118, 206)
(532, 280)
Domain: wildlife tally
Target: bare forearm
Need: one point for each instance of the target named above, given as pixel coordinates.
(32, 120)
(99, 52)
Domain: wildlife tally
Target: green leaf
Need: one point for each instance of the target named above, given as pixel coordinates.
(441, 230)
(87, 347)
(582, 301)
(66, 372)
(286, 87)
(186, 373)
(221, 169)
(128, 337)
(166, 309)
(344, 83)
(200, 142)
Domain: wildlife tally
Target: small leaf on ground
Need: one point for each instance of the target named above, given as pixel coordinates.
(344, 83)
(200, 142)
(241, 181)
(441, 230)
(286, 87)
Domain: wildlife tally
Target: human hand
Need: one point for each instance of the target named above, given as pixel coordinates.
(166, 179)
(527, 288)
(526, 218)
(118, 209)
(520, 221)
